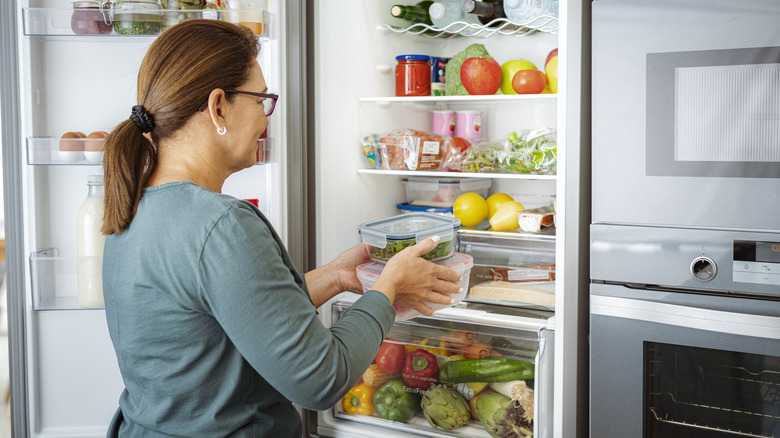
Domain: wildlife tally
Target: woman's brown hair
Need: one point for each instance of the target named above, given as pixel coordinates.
(183, 65)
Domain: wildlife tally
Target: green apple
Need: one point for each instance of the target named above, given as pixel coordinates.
(508, 70)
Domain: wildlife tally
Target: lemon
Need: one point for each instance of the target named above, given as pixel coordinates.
(506, 218)
(495, 200)
(471, 208)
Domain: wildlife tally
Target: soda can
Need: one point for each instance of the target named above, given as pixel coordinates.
(438, 66)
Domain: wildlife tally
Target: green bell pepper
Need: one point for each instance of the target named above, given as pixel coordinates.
(395, 401)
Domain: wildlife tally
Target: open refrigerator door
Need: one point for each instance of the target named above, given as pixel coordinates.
(70, 78)
(375, 160)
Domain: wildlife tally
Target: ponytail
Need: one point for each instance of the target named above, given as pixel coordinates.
(129, 159)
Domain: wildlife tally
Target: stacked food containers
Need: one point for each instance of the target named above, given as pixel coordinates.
(471, 370)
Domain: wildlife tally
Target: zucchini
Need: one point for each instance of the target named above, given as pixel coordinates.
(486, 369)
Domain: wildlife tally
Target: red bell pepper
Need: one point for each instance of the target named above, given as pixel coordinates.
(420, 369)
(390, 357)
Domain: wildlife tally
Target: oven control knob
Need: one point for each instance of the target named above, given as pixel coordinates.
(704, 268)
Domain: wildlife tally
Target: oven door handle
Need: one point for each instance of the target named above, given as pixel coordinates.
(744, 324)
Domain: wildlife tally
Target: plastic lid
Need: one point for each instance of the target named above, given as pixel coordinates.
(417, 226)
(436, 10)
(408, 57)
(405, 206)
(95, 179)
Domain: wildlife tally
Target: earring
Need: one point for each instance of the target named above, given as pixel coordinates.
(221, 130)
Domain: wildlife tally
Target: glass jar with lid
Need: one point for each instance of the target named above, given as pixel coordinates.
(138, 17)
(177, 11)
(91, 17)
(413, 75)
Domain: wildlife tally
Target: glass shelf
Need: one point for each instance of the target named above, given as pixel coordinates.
(54, 280)
(458, 174)
(58, 22)
(500, 26)
(73, 152)
(427, 101)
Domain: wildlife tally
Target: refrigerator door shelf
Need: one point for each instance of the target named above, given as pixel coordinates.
(504, 332)
(58, 21)
(89, 152)
(55, 280)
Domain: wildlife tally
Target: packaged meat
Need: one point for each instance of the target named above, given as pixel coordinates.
(536, 219)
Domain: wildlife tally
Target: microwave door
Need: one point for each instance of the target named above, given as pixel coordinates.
(685, 132)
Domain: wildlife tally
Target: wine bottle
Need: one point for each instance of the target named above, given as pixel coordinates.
(417, 13)
(487, 11)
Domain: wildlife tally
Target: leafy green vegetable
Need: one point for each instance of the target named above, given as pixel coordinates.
(452, 72)
(442, 250)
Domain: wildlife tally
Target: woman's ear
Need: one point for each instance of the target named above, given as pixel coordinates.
(216, 107)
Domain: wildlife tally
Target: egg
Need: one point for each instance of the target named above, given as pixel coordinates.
(94, 141)
(72, 141)
(93, 146)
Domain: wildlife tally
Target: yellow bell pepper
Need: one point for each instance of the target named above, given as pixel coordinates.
(431, 345)
(360, 399)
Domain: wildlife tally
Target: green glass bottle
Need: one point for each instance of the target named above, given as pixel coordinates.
(417, 13)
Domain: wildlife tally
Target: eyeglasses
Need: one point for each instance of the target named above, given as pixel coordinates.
(269, 102)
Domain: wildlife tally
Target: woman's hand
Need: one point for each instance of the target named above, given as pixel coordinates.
(337, 276)
(409, 280)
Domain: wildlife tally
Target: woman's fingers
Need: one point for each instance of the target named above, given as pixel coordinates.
(425, 246)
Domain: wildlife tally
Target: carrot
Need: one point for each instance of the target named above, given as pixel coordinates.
(476, 351)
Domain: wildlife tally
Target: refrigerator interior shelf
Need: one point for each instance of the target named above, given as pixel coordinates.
(68, 151)
(438, 174)
(426, 102)
(109, 22)
(497, 331)
(54, 279)
(499, 26)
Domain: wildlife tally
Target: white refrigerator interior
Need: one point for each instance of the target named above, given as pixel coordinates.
(88, 83)
(354, 88)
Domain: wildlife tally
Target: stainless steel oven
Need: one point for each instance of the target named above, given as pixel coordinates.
(685, 333)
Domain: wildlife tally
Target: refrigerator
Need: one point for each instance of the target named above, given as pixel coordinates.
(332, 64)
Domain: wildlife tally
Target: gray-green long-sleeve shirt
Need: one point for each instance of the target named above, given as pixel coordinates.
(213, 328)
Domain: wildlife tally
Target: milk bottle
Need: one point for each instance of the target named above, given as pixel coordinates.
(90, 245)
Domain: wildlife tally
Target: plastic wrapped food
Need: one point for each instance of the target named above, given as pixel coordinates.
(529, 151)
(406, 149)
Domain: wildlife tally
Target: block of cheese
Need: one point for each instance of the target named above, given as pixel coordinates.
(541, 293)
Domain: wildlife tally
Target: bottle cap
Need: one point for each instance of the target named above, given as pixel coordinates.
(436, 10)
(95, 179)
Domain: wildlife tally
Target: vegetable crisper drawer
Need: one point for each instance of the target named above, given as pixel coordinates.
(511, 270)
(433, 374)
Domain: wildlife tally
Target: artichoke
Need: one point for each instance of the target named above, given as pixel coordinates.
(444, 407)
(502, 417)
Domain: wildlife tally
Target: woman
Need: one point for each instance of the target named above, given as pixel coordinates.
(215, 331)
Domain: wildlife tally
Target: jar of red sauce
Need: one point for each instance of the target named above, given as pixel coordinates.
(413, 75)
(91, 17)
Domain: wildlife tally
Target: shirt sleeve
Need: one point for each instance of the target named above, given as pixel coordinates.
(251, 287)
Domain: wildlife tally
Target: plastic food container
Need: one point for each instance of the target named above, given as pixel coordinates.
(442, 192)
(386, 237)
(368, 273)
(407, 208)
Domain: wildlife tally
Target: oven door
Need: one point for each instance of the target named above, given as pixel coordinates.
(686, 113)
(666, 364)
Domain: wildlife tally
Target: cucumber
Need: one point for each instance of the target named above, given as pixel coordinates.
(486, 369)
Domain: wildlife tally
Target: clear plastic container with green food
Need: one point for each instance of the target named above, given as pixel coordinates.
(387, 237)
(138, 17)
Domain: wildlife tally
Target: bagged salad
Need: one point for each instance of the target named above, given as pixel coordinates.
(528, 151)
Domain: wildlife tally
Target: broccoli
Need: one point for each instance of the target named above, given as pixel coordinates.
(452, 72)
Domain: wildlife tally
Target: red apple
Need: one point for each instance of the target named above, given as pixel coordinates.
(480, 75)
(553, 53)
(529, 82)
